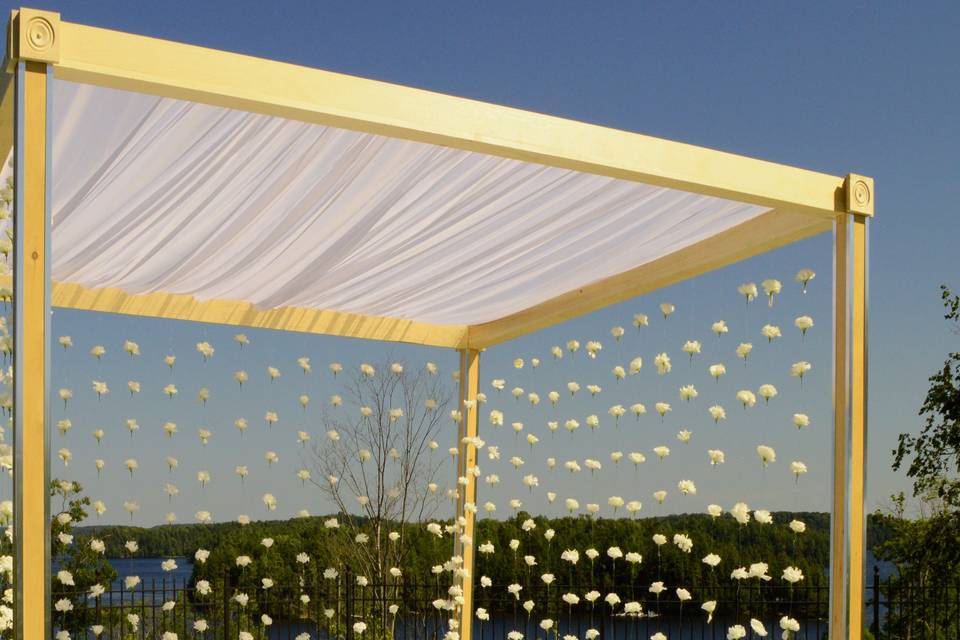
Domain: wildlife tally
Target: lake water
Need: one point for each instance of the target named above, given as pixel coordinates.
(150, 571)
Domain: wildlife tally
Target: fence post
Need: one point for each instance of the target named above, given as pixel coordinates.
(875, 628)
(348, 613)
(226, 604)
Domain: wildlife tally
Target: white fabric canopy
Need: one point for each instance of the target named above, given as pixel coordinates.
(153, 194)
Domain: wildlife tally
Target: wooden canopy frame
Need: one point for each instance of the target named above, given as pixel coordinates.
(41, 47)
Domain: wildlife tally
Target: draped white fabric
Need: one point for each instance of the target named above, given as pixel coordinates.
(153, 194)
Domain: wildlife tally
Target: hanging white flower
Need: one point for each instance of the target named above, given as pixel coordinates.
(719, 327)
(617, 411)
(797, 468)
(688, 392)
(736, 632)
(205, 349)
(718, 413)
(770, 332)
(740, 512)
(748, 290)
(717, 370)
(767, 391)
(100, 388)
(304, 363)
(801, 420)
(804, 323)
(663, 408)
(711, 560)
(758, 627)
(767, 454)
(662, 362)
(593, 348)
(771, 287)
(691, 347)
(792, 575)
(804, 276)
(799, 369)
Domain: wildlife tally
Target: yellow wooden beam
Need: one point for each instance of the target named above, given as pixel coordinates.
(243, 314)
(469, 388)
(169, 69)
(764, 233)
(838, 522)
(31, 332)
(858, 428)
(848, 525)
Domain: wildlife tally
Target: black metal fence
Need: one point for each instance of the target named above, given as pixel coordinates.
(322, 609)
(920, 609)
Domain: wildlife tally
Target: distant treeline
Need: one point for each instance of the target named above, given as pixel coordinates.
(737, 546)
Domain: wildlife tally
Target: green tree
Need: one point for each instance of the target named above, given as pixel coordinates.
(926, 550)
(933, 457)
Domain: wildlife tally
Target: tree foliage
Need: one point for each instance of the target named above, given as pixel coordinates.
(925, 550)
(932, 458)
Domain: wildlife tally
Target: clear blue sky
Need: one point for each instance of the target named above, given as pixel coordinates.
(836, 88)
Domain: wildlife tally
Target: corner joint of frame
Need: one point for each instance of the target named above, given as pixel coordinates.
(34, 35)
(859, 194)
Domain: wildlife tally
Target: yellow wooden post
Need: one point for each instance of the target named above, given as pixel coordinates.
(33, 44)
(467, 460)
(849, 412)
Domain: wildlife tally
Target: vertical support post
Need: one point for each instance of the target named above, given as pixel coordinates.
(848, 525)
(466, 461)
(31, 357)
